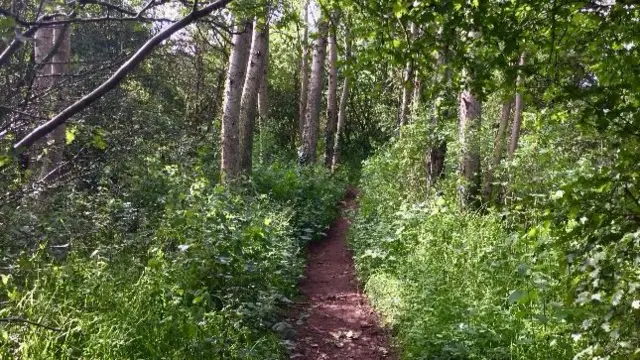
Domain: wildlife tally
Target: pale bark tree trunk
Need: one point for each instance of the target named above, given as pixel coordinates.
(332, 99)
(497, 150)
(408, 84)
(263, 96)
(304, 73)
(253, 80)
(307, 152)
(230, 163)
(470, 112)
(407, 92)
(344, 100)
(517, 115)
(51, 52)
(417, 93)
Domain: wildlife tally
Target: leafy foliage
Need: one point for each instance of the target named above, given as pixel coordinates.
(178, 277)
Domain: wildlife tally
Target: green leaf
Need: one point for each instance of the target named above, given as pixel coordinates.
(70, 135)
(399, 9)
(98, 141)
(516, 296)
(4, 160)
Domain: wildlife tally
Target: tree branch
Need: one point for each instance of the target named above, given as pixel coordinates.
(26, 321)
(117, 77)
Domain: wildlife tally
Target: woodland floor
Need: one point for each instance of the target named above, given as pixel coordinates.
(335, 320)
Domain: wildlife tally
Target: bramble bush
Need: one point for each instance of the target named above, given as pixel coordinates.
(172, 268)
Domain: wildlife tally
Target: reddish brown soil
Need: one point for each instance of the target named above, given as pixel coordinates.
(335, 320)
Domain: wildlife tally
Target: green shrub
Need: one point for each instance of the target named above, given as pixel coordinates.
(188, 281)
(550, 273)
(457, 286)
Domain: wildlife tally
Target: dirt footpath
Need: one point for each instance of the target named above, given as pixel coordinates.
(335, 321)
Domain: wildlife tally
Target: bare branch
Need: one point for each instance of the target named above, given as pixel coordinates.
(117, 77)
(145, 8)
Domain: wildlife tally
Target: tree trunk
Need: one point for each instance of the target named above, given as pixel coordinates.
(263, 96)
(470, 112)
(307, 152)
(342, 111)
(407, 92)
(517, 115)
(230, 163)
(253, 80)
(51, 54)
(408, 84)
(437, 154)
(417, 93)
(304, 73)
(332, 100)
(435, 162)
(497, 150)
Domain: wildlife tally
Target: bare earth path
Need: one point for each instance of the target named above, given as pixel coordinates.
(335, 320)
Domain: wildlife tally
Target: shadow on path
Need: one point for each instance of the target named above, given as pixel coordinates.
(335, 320)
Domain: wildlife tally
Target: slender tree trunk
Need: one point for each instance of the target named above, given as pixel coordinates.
(408, 84)
(470, 112)
(304, 73)
(253, 80)
(517, 115)
(52, 52)
(497, 150)
(437, 154)
(230, 163)
(263, 96)
(344, 100)
(263, 93)
(332, 100)
(407, 92)
(307, 152)
(417, 93)
(435, 162)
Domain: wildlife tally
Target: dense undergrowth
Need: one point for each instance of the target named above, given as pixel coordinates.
(167, 266)
(551, 273)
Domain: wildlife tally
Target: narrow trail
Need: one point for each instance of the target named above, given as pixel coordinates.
(335, 320)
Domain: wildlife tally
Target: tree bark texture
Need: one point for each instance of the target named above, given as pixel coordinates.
(408, 84)
(263, 96)
(249, 104)
(470, 112)
(342, 110)
(517, 115)
(497, 150)
(307, 151)
(304, 73)
(51, 53)
(332, 100)
(230, 163)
